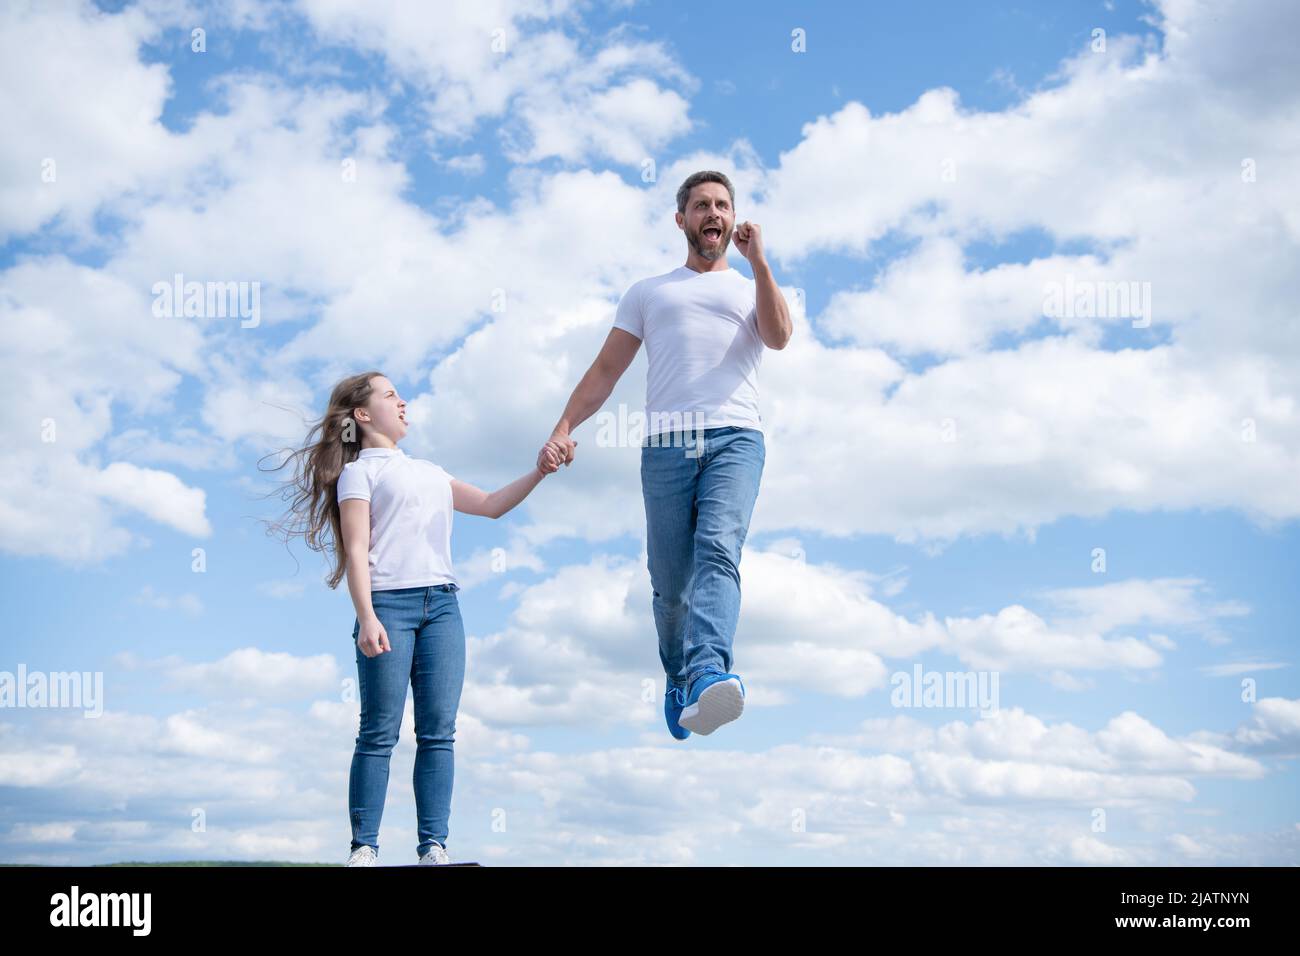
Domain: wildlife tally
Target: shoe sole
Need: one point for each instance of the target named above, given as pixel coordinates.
(719, 704)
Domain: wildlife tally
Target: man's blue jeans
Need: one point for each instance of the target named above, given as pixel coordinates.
(699, 489)
(428, 640)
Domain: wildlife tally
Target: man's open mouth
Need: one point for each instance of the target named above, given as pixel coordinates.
(712, 233)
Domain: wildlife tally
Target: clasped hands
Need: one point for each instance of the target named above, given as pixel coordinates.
(557, 451)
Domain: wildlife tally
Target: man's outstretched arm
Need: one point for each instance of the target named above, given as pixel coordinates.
(615, 356)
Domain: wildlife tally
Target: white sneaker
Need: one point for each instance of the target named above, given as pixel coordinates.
(436, 854)
(719, 703)
(363, 855)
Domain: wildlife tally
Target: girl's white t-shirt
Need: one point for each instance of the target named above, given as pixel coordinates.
(703, 348)
(410, 517)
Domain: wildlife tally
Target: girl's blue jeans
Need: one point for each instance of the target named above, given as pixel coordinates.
(428, 640)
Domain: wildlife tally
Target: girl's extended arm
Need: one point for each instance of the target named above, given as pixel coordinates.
(475, 501)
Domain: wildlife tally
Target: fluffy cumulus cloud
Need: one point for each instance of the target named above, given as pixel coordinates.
(1200, 412)
(933, 399)
(1196, 410)
(1274, 728)
(88, 111)
(1009, 789)
(511, 59)
(808, 627)
(1179, 419)
(191, 206)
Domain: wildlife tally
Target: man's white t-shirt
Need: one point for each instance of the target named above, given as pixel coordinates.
(700, 331)
(410, 517)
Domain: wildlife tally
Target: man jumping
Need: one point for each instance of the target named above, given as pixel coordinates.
(704, 326)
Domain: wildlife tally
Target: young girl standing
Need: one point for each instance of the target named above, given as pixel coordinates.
(387, 519)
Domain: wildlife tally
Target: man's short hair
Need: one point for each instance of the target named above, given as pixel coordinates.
(704, 176)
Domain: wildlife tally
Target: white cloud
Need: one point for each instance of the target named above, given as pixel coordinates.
(1157, 602)
(627, 124)
(1010, 789)
(43, 765)
(159, 494)
(486, 564)
(1018, 743)
(1274, 728)
(1043, 430)
(498, 59)
(45, 833)
(252, 672)
(817, 626)
(189, 603)
(803, 625)
(566, 660)
(89, 106)
(189, 735)
(471, 165)
(1242, 667)
(1048, 429)
(1016, 638)
(1088, 850)
(927, 301)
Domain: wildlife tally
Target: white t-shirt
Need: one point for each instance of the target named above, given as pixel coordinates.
(703, 348)
(410, 517)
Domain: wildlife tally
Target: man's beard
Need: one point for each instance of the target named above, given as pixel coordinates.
(711, 254)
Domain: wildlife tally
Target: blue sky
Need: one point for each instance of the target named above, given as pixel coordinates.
(877, 545)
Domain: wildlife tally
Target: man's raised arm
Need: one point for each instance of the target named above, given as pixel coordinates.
(615, 356)
(774, 326)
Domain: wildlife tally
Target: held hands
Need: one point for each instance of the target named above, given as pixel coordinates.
(749, 241)
(548, 459)
(559, 450)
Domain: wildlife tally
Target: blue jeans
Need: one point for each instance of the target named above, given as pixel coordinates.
(428, 640)
(699, 490)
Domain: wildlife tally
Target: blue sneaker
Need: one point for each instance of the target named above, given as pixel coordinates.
(715, 699)
(674, 701)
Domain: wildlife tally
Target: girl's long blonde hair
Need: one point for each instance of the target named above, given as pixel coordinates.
(312, 492)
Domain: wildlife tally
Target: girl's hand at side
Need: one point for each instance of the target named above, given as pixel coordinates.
(373, 639)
